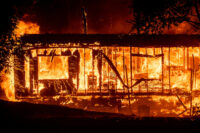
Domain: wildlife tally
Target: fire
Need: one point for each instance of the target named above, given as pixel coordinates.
(7, 86)
(157, 70)
(74, 71)
(142, 67)
(7, 83)
(26, 28)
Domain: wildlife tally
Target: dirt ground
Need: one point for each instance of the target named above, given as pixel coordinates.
(27, 117)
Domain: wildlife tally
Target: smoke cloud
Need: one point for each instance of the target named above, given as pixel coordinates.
(64, 16)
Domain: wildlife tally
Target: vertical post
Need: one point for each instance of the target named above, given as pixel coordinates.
(108, 73)
(169, 70)
(188, 58)
(100, 75)
(162, 69)
(31, 68)
(193, 69)
(138, 67)
(123, 70)
(84, 69)
(78, 69)
(192, 81)
(93, 72)
(37, 71)
(116, 68)
(127, 85)
(191, 86)
(194, 72)
(147, 85)
(131, 68)
(135, 63)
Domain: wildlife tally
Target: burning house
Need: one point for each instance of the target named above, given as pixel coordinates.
(129, 67)
(125, 64)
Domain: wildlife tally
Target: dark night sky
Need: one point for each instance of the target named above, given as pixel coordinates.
(64, 16)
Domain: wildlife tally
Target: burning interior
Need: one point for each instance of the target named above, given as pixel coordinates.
(151, 75)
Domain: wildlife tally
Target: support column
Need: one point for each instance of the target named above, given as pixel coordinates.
(84, 70)
(162, 69)
(123, 70)
(147, 85)
(169, 70)
(131, 68)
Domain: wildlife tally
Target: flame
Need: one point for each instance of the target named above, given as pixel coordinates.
(7, 83)
(180, 73)
(8, 87)
(175, 70)
(26, 28)
(181, 63)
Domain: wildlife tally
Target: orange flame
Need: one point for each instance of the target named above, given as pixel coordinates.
(26, 28)
(7, 83)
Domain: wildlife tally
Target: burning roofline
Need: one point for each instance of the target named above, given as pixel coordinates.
(179, 40)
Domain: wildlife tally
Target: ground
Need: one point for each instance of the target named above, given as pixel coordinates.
(27, 117)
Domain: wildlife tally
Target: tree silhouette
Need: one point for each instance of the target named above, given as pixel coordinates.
(151, 17)
(10, 12)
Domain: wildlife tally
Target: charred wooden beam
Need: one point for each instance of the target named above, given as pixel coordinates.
(162, 70)
(84, 71)
(181, 102)
(169, 70)
(123, 70)
(131, 69)
(147, 72)
(99, 65)
(116, 68)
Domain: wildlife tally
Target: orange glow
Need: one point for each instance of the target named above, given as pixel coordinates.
(26, 28)
(170, 71)
(152, 67)
(160, 72)
(7, 83)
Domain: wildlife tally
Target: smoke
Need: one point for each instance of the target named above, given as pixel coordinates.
(64, 16)
(103, 17)
(182, 28)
